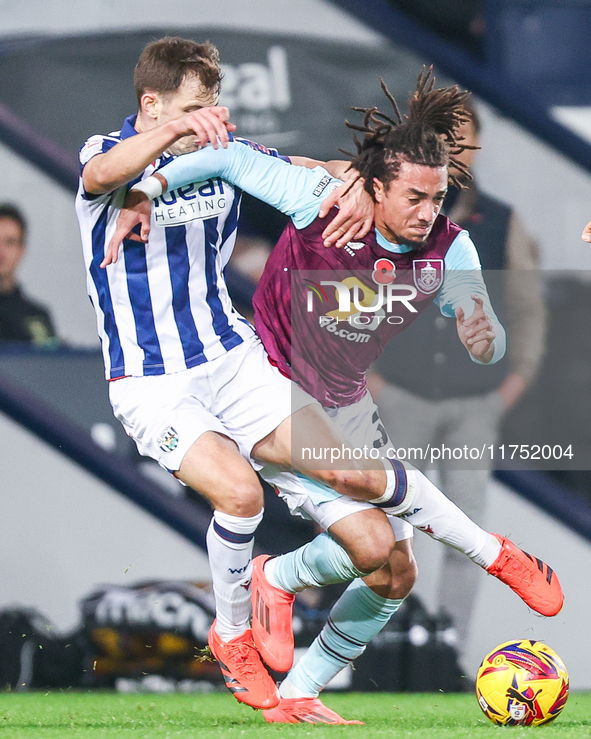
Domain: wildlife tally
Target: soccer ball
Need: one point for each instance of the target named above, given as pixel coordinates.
(522, 683)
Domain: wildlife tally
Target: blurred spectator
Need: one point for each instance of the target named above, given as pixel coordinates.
(20, 318)
(429, 392)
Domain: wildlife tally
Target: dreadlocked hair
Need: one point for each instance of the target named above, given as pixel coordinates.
(427, 135)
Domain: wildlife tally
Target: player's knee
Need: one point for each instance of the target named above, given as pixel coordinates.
(403, 573)
(367, 537)
(396, 579)
(404, 580)
(371, 552)
(245, 500)
(367, 562)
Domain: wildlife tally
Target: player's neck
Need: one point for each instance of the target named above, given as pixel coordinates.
(144, 122)
(7, 284)
(385, 232)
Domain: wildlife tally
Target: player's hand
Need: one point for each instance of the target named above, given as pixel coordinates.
(586, 235)
(476, 333)
(209, 125)
(137, 209)
(355, 215)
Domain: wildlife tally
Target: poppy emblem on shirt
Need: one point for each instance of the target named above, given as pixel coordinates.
(427, 274)
(384, 271)
(168, 440)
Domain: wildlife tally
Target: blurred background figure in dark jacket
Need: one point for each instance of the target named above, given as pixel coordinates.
(21, 319)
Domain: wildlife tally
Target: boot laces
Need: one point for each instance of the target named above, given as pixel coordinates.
(242, 657)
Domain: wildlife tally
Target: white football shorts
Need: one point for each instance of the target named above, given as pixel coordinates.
(360, 424)
(239, 394)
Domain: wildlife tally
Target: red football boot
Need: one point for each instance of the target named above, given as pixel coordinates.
(304, 711)
(243, 671)
(533, 581)
(271, 619)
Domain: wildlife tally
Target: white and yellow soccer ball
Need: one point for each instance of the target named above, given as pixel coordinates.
(522, 683)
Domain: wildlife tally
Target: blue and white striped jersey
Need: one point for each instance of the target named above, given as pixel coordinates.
(163, 306)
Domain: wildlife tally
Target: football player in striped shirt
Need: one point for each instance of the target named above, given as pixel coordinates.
(189, 378)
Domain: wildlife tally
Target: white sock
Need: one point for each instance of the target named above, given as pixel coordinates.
(399, 493)
(437, 516)
(230, 541)
(288, 690)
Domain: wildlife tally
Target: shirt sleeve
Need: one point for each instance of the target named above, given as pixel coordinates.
(94, 145)
(264, 149)
(462, 279)
(296, 191)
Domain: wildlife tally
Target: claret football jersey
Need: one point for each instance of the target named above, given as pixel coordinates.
(324, 314)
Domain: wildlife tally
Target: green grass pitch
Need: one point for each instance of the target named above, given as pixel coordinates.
(61, 715)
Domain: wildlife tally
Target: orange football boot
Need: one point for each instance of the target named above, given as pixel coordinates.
(243, 671)
(304, 711)
(271, 619)
(533, 581)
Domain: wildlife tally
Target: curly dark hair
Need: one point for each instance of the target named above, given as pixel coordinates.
(427, 135)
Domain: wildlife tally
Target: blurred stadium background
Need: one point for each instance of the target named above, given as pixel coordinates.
(291, 72)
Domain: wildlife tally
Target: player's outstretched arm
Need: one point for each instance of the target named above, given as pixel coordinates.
(476, 332)
(127, 159)
(296, 191)
(586, 235)
(464, 293)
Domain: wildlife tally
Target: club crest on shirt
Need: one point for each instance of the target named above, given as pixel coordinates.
(427, 274)
(168, 440)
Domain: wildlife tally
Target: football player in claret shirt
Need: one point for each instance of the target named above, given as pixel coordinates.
(404, 164)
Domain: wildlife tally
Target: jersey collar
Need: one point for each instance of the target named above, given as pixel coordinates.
(128, 130)
(128, 127)
(388, 246)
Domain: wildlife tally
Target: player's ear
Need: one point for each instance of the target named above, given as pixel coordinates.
(151, 104)
(378, 190)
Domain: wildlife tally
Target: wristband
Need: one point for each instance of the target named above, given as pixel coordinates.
(151, 186)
